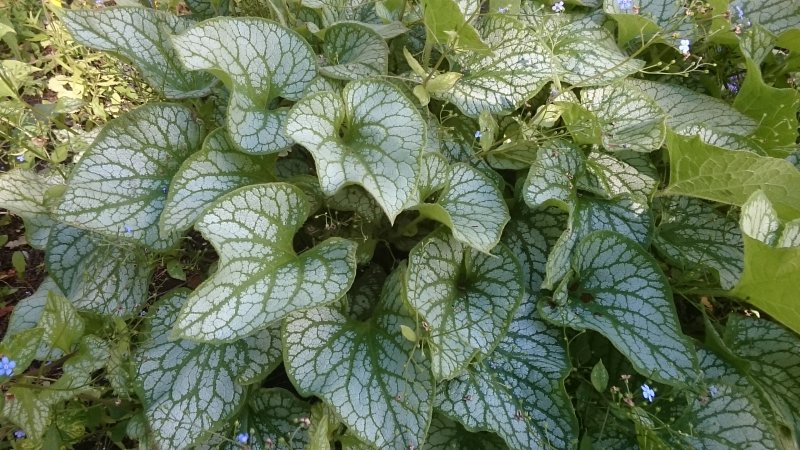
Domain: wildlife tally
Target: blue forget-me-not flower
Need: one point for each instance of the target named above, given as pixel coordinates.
(243, 437)
(19, 434)
(684, 46)
(713, 391)
(558, 6)
(7, 366)
(648, 393)
(625, 4)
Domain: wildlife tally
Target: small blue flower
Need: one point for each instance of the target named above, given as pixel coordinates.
(739, 12)
(164, 189)
(7, 366)
(713, 391)
(243, 437)
(648, 393)
(502, 9)
(733, 82)
(684, 46)
(128, 229)
(478, 134)
(558, 7)
(625, 5)
(19, 434)
(21, 158)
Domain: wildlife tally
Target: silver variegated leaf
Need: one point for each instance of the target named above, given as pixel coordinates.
(463, 198)
(190, 390)
(142, 35)
(692, 234)
(97, 274)
(372, 376)
(518, 391)
(353, 51)
(467, 299)
(371, 135)
(26, 315)
(620, 292)
(627, 216)
(208, 175)
(530, 235)
(620, 173)
(260, 61)
(777, 16)
(22, 192)
(206, 9)
(759, 220)
(501, 81)
(552, 178)
(260, 278)
(273, 416)
(118, 187)
(445, 434)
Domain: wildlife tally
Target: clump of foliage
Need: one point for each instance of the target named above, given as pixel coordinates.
(435, 224)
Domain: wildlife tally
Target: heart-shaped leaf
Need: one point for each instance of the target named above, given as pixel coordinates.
(117, 188)
(371, 135)
(692, 234)
(273, 416)
(551, 179)
(22, 192)
(504, 79)
(375, 379)
(206, 176)
(142, 36)
(620, 292)
(445, 434)
(260, 278)
(26, 315)
(518, 391)
(354, 51)
(189, 390)
(464, 199)
(618, 174)
(259, 61)
(467, 299)
(97, 275)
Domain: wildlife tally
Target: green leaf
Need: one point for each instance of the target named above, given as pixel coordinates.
(692, 234)
(619, 117)
(260, 279)
(205, 9)
(624, 215)
(376, 380)
(18, 263)
(530, 235)
(466, 200)
(98, 275)
(599, 377)
(22, 347)
(272, 414)
(354, 51)
(206, 176)
(445, 23)
(189, 390)
(22, 192)
(518, 390)
(708, 172)
(259, 61)
(774, 359)
(371, 135)
(551, 179)
(620, 292)
(466, 298)
(445, 434)
(622, 173)
(652, 17)
(61, 322)
(26, 316)
(117, 187)
(141, 35)
(501, 81)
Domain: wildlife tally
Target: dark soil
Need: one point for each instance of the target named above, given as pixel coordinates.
(13, 286)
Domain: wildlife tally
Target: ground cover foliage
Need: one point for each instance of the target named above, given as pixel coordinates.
(434, 224)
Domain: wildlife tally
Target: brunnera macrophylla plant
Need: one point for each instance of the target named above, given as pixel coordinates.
(435, 224)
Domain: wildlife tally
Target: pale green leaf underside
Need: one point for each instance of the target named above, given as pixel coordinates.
(624, 215)
(469, 202)
(22, 193)
(685, 108)
(374, 378)
(273, 414)
(260, 61)
(26, 316)
(97, 274)
(381, 141)
(260, 279)
(354, 51)
(622, 173)
(518, 391)
(693, 234)
(501, 81)
(622, 294)
(205, 177)
(467, 298)
(142, 36)
(117, 188)
(189, 390)
(445, 434)
(551, 179)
